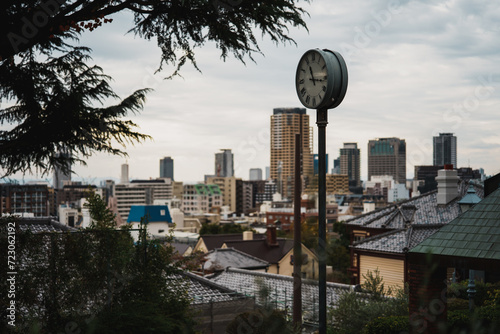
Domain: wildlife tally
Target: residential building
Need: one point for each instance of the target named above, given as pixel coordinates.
(270, 188)
(227, 186)
(350, 163)
(285, 123)
(201, 198)
(337, 183)
(24, 199)
(157, 217)
(224, 163)
(381, 238)
(255, 174)
(139, 192)
(167, 168)
(387, 156)
(74, 192)
(445, 150)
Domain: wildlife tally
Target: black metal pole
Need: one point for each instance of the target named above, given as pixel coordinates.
(297, 245)
(322, 121)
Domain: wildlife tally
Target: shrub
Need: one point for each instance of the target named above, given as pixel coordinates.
(388, 325)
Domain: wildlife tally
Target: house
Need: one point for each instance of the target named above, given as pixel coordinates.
(469, 242)
(222, 258)
(381, 239)
(210, 242)
(156, 217)
(278, 252)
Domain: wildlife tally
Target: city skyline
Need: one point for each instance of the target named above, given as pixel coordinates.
(415, 70)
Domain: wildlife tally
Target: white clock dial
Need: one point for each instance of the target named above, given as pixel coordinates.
(312, 79)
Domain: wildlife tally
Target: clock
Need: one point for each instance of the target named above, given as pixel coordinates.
(321, 79)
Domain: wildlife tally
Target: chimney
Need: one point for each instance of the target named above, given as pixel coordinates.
(447, 181)
(271, 235)
(247, 235)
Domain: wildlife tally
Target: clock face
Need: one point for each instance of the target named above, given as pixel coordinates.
(311, 79)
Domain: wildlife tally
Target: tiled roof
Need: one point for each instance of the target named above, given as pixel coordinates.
(398, 241)
(202, 290)
(213, 241)
(221, 258)
(279, 289)
(260, 248)
(42, 225)
(474, 234)
(419, 210)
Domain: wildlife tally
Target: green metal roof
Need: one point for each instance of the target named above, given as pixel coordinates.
(475, 234)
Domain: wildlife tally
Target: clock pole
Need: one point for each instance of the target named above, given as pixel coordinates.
(322, 121)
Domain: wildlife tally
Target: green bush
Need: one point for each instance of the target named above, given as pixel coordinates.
(457, 304)
(388, 325)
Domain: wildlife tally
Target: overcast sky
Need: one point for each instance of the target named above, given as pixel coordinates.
(416, 68)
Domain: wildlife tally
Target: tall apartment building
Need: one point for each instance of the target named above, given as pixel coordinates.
(224, 163)
(285, 123)
(167, 168)
(201, 198)
(350, 163)
(140, 192)
(387, 156)
(445, 150)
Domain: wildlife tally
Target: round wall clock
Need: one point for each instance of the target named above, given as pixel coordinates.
(321, 79)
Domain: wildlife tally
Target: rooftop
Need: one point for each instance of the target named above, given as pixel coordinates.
(279, 289)
(474, 234)
(222, 258)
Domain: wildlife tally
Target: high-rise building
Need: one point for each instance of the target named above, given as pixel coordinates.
(445, 150)
(336, 166)
(350, 163)
(167, 168)
(255, 174)
(224, 165)
(61, 176)
(387, 156)
(124, 175)
(285, 123)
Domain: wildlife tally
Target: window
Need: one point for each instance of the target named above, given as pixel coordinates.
(162, 212)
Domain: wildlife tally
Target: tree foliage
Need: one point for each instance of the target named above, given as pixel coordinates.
(55, 112)
(94, 281)
(53, 92)
(179, 26)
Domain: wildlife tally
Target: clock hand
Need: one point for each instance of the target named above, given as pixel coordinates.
(312, 76)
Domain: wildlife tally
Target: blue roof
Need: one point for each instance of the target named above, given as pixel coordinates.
(154, 213)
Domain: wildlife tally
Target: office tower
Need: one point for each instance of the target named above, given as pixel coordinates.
(124, 174)
(167, 168)
(336, 166)
(285, 123)
(387, 156)
(445, 150)
(224, 166)
(316, 163)
(255, 174)
(61, 177)
(350, 163)
(268, 172)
